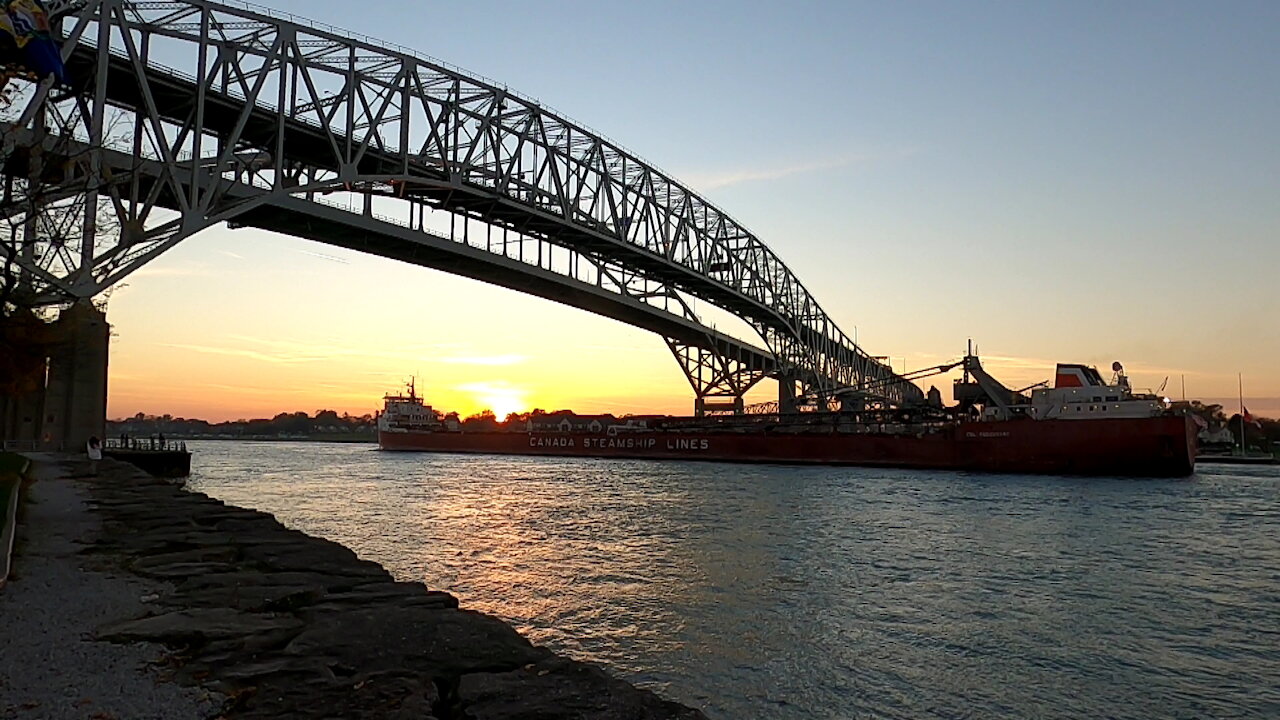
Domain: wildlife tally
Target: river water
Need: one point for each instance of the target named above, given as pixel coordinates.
(755, 591)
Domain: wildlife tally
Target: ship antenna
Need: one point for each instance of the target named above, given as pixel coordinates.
(968, 354)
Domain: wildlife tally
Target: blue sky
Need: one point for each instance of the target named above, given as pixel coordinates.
(1060, 181)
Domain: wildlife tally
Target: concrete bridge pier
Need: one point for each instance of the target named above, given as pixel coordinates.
(76, 394)
(62, 400)
(21, 407)
(786, 394)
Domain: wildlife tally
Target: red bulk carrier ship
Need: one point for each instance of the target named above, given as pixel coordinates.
(1082, 425)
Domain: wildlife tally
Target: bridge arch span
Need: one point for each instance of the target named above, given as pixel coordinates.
(189, 113)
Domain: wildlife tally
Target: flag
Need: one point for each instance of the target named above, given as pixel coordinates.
(27, 40)
(1249, 418)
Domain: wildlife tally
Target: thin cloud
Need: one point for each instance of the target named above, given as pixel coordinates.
(289, 347)
(490, 388)
(1011, 362)
(170, 272)
(251, 354)
(489, 360)
(322, 256)
(719, 179)
(410, 354)
(716, 180)
(255, 390)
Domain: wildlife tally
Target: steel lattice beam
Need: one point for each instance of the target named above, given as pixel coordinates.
(187, 114)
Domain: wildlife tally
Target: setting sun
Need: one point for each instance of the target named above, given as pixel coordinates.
(500, 398)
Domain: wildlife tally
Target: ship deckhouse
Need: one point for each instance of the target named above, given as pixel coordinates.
(401, 413)
(1079, 393)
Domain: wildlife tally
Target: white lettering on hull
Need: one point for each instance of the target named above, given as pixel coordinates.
(619, 443)
(687, 444)
(601, 443)
(535, 441)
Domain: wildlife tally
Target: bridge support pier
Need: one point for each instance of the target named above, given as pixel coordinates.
(57, 398)
(787, 395)
(23, 366)
(76, 394)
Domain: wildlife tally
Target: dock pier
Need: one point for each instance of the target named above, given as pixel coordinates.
(155, 456)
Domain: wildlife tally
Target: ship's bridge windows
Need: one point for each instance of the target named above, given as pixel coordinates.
(1112, 398)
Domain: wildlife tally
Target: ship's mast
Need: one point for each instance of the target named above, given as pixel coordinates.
(1243, 424)
(968, 354)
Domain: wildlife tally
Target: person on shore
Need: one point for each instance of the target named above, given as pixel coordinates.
(95, 454)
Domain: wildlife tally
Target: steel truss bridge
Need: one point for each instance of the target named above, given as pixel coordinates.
(187, 114)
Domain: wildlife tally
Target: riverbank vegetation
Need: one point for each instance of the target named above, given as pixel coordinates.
(325, 425)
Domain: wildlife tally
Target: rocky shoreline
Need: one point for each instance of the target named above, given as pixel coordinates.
(282, 624)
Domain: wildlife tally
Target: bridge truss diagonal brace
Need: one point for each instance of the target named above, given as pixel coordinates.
(719, 379)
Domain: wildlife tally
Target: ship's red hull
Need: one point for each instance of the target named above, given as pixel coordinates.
(1153, 447)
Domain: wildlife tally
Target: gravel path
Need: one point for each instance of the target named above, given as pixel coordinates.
(50, 667)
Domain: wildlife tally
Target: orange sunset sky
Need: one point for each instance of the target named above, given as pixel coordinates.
(1061, 183)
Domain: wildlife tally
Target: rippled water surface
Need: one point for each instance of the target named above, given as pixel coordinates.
(782, 592)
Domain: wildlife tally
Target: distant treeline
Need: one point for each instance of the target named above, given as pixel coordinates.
(326, 424)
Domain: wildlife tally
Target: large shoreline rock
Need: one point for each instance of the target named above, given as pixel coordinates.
(289, 625)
